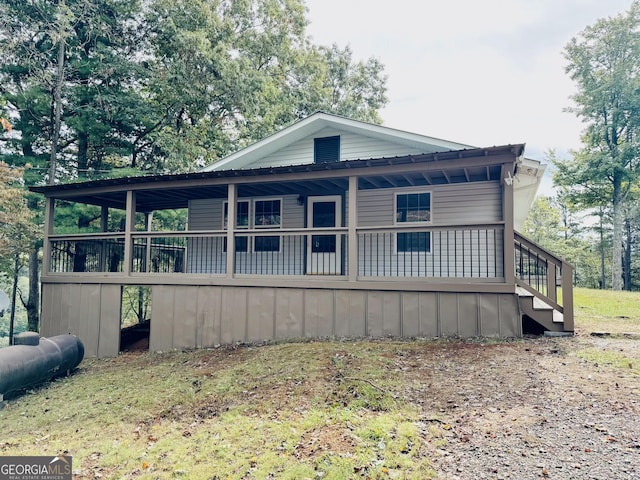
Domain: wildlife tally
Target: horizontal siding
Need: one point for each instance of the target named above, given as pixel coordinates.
(207, 255)
(463, 203)
(469, 253)
(462, 254)
(352, 147)
(207, 214)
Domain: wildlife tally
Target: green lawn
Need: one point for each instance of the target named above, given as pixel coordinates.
(607, 311)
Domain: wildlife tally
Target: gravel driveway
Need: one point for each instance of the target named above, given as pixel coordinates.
(536, 409)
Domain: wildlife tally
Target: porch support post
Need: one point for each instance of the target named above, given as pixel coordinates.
(232, 200)
(352, 232)
(567, 297)
(48, 230)
(507, 216)
(128, 231)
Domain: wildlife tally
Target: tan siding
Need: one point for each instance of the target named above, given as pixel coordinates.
(350, 313)
(375, 314)
(448, 314)
(509, 309)
(190, 316)
(429, 319)
(109, 340)
(90, 297)
(184, 308)
(289, 313)
(261, 313)
(319, 316)
(209, 313)
(468, 324)
(391, 314)
(162, 318)
(489, 315)
(410, 314)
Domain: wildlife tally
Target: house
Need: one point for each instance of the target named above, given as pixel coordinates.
(336, 228)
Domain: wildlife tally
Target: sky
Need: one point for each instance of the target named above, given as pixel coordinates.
(483, 73)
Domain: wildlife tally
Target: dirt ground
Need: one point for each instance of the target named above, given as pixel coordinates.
(534, 409)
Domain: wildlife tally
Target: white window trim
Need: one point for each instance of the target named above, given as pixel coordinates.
(225, 203)
(395, 221)
(266, 227)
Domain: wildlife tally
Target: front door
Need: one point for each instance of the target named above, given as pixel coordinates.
(324, 251)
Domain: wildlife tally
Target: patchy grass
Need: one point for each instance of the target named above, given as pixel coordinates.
(608, 311)
(307, 410)
(330, 410)
(617, 359)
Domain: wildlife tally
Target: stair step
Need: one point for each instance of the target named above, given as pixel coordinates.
(558, 317)
(541, 305)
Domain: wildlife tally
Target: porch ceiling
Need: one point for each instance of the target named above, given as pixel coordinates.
(174, 191)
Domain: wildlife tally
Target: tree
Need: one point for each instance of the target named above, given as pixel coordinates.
(17, 229)
(226, 74)
(604, 61)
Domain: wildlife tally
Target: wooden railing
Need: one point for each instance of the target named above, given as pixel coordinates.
(545, 276)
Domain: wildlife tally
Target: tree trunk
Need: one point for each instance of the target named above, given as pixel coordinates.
(626, 260)
(14, 295)
(618, 227)
(83, 153)
(33, 303)
(57, 114)
(603, 276)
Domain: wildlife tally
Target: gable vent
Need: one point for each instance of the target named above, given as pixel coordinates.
(326, 149)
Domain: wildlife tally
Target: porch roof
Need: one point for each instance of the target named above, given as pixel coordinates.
(159, 192)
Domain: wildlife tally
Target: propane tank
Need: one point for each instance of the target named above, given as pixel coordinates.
(36, 362)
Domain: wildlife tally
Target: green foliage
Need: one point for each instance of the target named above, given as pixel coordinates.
(552, 224)
(603, 61)
(136, 305)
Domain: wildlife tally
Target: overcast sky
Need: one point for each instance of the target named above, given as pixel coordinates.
(480, 72)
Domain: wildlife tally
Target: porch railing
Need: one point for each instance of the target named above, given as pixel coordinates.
(470, 252)
(545, 276)
(438, 252)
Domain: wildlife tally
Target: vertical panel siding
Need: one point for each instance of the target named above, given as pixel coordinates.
(209, 315)
(162, 315)
(109, 336)
(90, 312)
(289, 313)
(350, 313)
(429, 315)
(192, 316)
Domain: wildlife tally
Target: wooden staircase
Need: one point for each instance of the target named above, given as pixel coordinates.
(544, 284)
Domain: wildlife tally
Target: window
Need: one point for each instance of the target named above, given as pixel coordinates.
(414, 242)
(326, 149)
(413, 208)
(242, 214)
(242, 221)
(267, 214)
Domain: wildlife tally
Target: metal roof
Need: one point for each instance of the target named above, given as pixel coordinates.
(158, 192)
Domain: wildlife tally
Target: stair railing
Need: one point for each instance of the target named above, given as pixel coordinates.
(540, 272)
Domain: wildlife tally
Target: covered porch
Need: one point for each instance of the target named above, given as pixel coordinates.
(432, 234)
